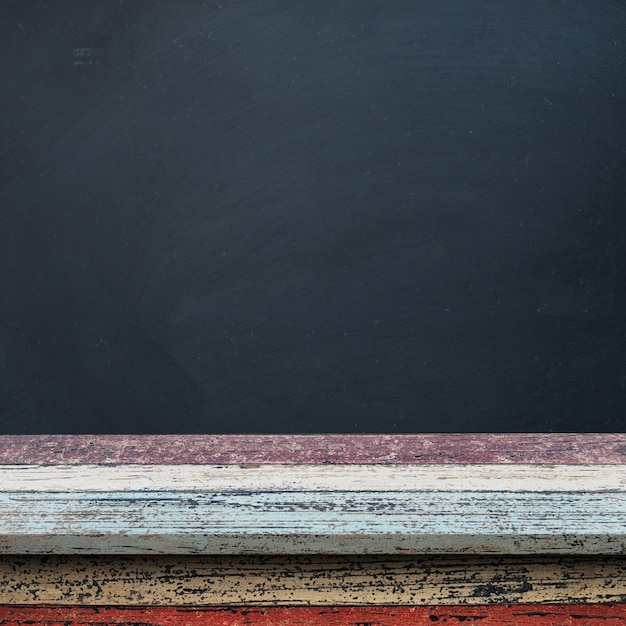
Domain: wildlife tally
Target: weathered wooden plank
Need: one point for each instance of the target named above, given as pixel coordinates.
(312, 522)
(575, 615)
(233, 478)
(310, 581)
(234, 449)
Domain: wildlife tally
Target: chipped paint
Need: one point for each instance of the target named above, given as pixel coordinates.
(336, 522)
(313, 581)
(233, 449)
(356, 478)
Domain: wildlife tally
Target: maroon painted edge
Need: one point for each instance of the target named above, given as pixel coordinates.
(531, 615)
(313, 449)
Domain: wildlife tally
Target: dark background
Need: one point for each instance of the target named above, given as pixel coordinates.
(312, 216)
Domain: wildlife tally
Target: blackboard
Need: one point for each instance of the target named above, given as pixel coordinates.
(273, 216)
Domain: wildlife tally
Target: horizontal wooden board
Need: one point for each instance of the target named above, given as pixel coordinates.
(245, 478)
(234, 449)
(312, 522)
(310, 581)
(523, 615)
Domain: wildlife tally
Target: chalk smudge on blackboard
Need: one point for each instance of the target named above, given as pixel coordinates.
(84, 56)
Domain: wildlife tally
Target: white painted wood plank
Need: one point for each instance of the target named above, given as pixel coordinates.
(312, 522)
(237, 478)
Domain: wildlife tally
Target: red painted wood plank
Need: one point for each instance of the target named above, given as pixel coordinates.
(523, 615)
(236, 449)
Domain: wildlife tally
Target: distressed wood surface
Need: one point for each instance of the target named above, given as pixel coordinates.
(312, 522)
(234, 449)
(310, 581)
(524, 615)
(345, 478)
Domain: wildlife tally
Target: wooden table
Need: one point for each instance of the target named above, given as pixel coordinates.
(328, 529)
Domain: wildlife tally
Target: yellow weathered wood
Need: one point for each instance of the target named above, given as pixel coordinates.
(298, 580)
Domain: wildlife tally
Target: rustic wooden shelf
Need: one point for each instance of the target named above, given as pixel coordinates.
(330, 529)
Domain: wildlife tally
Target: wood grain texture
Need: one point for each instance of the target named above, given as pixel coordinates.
(310, 581)
(346, 478)
(234, 449)
(312, 522)
(523, 615)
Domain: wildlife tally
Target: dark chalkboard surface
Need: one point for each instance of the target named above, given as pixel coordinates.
(298, 216)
